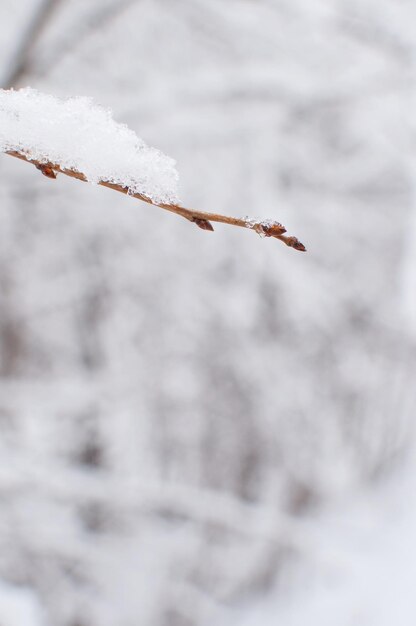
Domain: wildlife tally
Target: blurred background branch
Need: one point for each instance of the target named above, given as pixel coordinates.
(19, 67)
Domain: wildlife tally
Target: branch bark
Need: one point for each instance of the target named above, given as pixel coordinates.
(203, 219)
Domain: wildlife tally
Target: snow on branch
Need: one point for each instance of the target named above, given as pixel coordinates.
(80, 139)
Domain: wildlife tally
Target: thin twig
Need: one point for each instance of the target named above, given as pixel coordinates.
(203, 219)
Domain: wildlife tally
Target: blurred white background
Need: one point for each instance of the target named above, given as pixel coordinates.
(210, 428)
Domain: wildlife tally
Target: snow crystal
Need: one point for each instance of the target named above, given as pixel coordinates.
(251, 221)
(77, 134)
(257, 224)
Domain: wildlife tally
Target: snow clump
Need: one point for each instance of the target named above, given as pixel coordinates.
(77, 134)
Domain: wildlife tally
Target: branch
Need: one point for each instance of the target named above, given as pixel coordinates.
(203, 219)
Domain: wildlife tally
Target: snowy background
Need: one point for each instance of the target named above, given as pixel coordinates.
(210, 428)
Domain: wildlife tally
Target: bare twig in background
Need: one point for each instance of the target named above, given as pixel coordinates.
(20, 64)
(203, 219)
(93, 20)
(23, 62)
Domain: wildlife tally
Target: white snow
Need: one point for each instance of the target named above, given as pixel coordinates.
(78, 134)
(361, 565)
(19, 605)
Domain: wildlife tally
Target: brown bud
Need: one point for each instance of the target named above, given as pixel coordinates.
(271, 230)
(204, 224)
(46, 170)
(294, 242)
